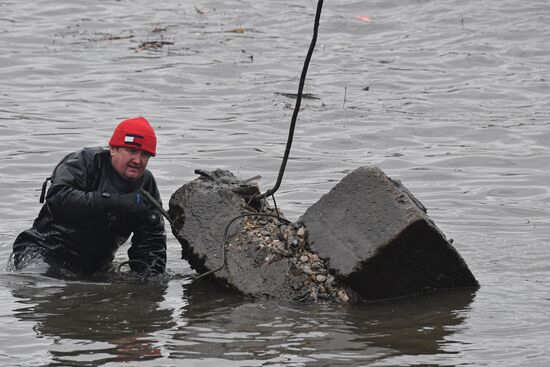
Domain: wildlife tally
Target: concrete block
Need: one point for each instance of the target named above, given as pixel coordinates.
(380, 241)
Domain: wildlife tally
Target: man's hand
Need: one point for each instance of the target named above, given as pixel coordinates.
(132, 202)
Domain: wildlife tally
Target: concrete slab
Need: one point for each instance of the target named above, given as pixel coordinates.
(380, 241)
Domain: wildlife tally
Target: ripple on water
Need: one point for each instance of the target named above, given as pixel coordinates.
(449, 97)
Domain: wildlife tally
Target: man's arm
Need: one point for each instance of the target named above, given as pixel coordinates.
(148, 249)
(67, 198)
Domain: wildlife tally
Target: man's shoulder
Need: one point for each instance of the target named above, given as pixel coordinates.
(149, 183)
(88, 154)
(92, 151)
(148, 177)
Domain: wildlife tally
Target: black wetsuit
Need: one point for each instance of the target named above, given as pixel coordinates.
(73, 231)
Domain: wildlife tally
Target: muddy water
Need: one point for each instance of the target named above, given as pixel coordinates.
(451, 97)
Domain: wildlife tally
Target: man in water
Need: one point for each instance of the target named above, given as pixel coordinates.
(93, 205)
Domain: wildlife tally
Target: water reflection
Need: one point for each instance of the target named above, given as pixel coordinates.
(221, 328)
(416, 325)
(95, 323)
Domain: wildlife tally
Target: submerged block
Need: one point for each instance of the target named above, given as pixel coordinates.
(380, 241)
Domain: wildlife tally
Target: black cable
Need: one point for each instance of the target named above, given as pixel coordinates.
(271, 191)
(298, 103)
(275, 205)
(157, 205)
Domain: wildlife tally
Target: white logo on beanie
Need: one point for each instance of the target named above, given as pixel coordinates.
(133, 139)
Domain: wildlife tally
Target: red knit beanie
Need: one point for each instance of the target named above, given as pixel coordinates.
(135, 133)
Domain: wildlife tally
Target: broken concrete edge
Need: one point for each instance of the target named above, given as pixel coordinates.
(396, 272)
(195, 260)
(221, 188)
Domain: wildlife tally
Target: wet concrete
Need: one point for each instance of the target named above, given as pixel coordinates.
(200, 211)
(380, 240)
(368, 239)
(223, 229)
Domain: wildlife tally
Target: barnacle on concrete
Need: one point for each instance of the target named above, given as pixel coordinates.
(290, 241)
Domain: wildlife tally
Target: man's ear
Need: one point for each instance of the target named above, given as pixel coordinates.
(112, 149)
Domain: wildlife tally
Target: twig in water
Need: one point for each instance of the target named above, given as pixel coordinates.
(345, 95)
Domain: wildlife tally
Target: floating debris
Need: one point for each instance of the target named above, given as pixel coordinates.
(204, 11)
(364, 18)
(236, 30)
(159, 29)
(294, 95)
(152, 45)
(114, 37)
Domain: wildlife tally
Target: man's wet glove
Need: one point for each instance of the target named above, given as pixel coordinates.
(132, 203)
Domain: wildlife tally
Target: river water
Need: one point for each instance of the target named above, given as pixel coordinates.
(450, 97)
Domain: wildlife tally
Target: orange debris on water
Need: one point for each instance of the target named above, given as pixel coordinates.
(236, 30)
(363, 18)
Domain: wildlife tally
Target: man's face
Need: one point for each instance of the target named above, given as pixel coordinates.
(130, 163)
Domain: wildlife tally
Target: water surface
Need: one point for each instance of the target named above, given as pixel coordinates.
(450, 97)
